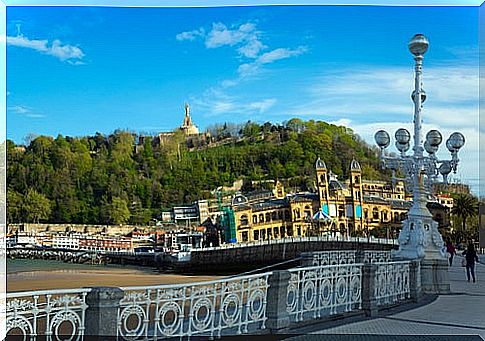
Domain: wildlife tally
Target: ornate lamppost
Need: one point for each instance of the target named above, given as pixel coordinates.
(419, 237)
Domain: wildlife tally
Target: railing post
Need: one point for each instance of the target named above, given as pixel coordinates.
(278, 317)
(369, 302)
(415, 281)
(102, 313)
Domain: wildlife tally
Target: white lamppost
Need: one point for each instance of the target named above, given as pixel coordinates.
(419, 237)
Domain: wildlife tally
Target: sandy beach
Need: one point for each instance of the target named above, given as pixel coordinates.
(78, 278)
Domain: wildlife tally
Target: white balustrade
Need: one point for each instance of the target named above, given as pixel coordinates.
(319, 291)
(391, 282)
(206, 308)
(322, 258)
(53, 313)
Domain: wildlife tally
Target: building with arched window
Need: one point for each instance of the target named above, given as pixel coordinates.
(354, 207)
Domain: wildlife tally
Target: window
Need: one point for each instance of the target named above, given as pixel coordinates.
(403, 216)
(280, 215)
(287, 215)
(396, 217)
(244, 219)
(261, 218)
(244, 236)
(289, 231)
(375, 214)
(256, 235)
(275, 231)
(322, 178)
(273, 215)
(269, 232)
(282, 231)
(268, 217)
(255, 219)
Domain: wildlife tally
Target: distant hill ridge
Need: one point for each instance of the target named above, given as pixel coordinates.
(120, 178)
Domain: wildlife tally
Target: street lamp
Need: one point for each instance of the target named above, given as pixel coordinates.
(419, 236)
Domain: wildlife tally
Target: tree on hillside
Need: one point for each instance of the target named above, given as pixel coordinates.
(14, 207)
(36, 207)
(115, 212)
(465, 206)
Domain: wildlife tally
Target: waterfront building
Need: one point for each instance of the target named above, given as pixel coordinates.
(351, 207)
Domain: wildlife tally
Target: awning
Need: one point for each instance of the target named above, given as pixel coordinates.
(322, 216)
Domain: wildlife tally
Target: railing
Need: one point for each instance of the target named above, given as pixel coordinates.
(319, 291)
(321, 258)
(328, 238)
(274, 301)
(207, 308)
(391, 282)
(53, 312)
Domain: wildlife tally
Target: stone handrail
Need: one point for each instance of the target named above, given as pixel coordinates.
(268, 302)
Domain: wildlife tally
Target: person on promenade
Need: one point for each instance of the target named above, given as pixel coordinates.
(451, 250)
(470, 256)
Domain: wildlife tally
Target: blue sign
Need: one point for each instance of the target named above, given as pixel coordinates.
(358, 211)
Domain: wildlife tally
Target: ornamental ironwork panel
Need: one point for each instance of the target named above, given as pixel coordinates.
(58, 314)
(377, 256)
(236, 305)
(322, 258)
(318, 291)
(391, 282)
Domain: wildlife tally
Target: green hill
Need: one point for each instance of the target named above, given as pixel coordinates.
(115, 179)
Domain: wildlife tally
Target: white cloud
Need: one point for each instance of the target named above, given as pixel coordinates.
(190, 35)
(252, 68)
(25, 111)
(245, 37)
(263, 105)
(18, 109)
(371, 98)
(64, 52)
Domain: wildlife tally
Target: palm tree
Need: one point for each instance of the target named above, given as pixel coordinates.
(465, 206)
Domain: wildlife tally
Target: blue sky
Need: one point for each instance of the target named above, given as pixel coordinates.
(78, 70)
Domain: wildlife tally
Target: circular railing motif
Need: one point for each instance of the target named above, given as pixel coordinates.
(21, 323)
(256, 303)
(355, 288)
(341, 289)
(230, 309)
(165, 328)
(201, 320)
(71, 319)
(127, 330)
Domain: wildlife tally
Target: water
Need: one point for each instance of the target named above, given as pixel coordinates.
(29, 265)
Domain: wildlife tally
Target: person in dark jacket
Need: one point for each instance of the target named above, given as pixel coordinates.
(451, 250)
(470, 256)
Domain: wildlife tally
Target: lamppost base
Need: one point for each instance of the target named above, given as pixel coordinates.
(434, 276)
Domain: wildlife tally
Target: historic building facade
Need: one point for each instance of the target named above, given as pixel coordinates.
(353, 207)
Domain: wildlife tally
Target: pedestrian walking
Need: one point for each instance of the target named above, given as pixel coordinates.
(470, 257)
(450, 248)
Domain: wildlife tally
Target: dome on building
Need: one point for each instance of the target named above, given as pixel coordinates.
(354, 165)
(239, 199)
(320, 164)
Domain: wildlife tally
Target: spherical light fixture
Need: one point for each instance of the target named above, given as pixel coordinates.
(402, 136)
(430, 148)
(457, 140)
(423, 96)
(382, 139)
(418, 45)
(449, 146)
(402, 147)
(445, 168)
(434, 138)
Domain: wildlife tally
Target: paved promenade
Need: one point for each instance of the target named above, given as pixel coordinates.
(457, 316)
